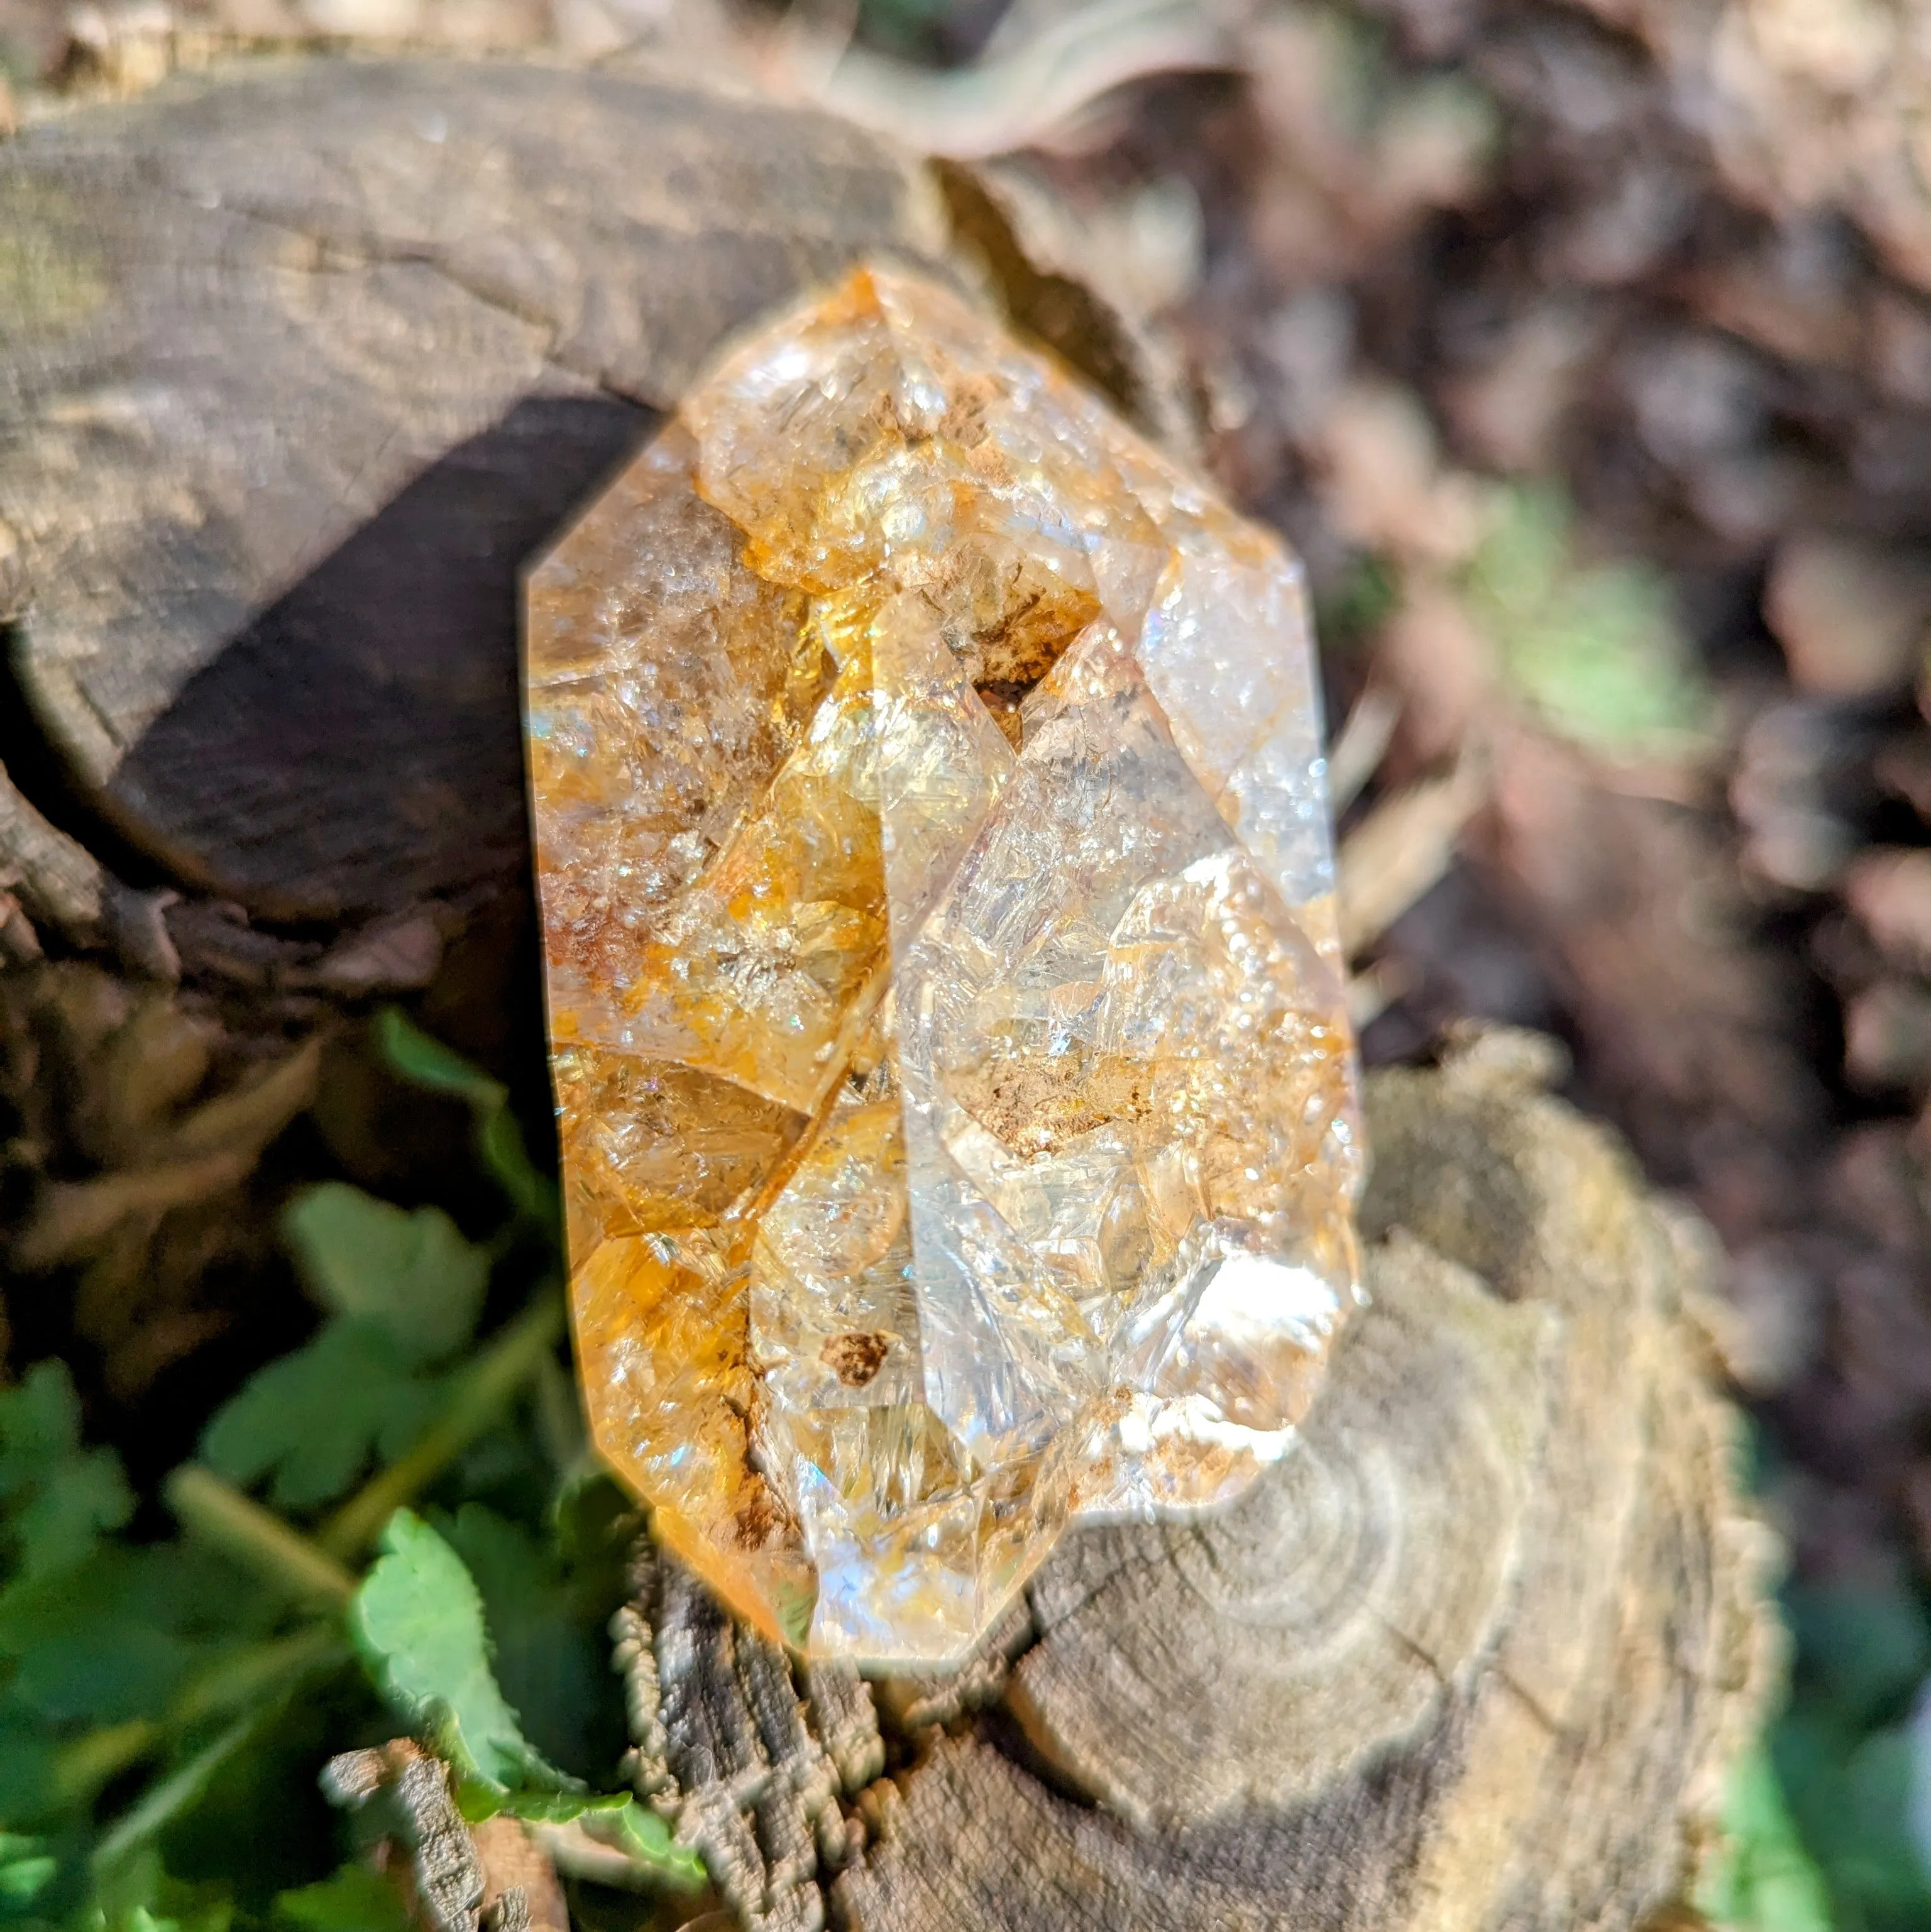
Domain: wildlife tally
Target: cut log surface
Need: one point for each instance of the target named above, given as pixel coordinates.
(312, 356)
(1478, 1653)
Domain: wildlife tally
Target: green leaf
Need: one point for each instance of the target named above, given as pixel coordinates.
(412, 1276)
(431, 1064)
(417, 1621)
(27, 1867)
(1594, 648)
(425, 1060)
(643, 1836)
(1862, 1648)
(500, 1140)
(116, 1637)
(86, 1495)
(1876, 1860)
(1764, 1880)
(27, 1765)
(547, 1625)
(315, 1419)
(356, 1900)
(258, 1821)
(138, 1895)
(539, 1807)
(1850, 1792)
(56, 1498)
(594, 1522)
(40, 1426)
(614, 1819)
(1359, 604)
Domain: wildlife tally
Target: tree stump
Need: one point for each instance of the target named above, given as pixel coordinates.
(301, 360)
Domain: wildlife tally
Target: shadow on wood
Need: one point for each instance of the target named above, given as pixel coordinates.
(363, 731)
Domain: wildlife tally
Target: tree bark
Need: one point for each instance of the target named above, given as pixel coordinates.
(309, 357)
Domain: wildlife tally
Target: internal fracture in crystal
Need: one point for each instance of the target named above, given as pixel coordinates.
(955, 1085)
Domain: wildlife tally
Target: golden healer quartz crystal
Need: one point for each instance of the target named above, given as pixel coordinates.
(955, 1085)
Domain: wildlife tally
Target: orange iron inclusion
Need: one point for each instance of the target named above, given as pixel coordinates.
(955, 1084)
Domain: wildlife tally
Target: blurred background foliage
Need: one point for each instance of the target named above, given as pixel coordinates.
(1583, 348)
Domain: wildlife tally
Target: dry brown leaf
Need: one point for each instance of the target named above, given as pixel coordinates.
(1401, 849)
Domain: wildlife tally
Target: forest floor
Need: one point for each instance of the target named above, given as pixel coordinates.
(1583, 351)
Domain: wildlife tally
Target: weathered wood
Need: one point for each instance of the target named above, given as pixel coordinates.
(302, 362)
(1477, 1654)
(1323, 1615)
(308, 363)
(1478, 1658)
(319, 353)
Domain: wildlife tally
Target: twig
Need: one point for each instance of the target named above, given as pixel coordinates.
(1030, 95)
(577, 1854)
(1360, 743)
(1401, 849)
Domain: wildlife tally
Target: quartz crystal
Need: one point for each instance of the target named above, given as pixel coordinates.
(955, 1086)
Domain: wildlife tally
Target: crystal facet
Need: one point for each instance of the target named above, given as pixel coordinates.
(955, 1085)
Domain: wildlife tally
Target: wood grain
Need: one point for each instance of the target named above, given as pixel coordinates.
(1478, 1654)
(312, 357)
(1478, 1658)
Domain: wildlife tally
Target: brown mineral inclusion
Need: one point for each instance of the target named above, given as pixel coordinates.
(955, 1085)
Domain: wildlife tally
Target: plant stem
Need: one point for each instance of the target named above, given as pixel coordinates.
(174, 1792)
(576, 1854)
(268, 1666)
(256, 1537)
(509, 1360)
(85, 1765)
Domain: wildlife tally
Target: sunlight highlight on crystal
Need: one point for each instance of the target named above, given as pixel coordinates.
(945, 1006)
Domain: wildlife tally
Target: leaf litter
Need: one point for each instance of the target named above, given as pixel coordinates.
(166, 1700)
(1585, 352)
